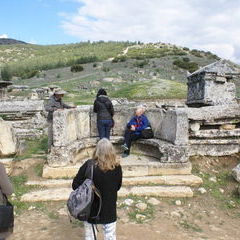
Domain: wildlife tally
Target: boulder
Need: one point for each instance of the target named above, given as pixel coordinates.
(8, 141)
(236, 173)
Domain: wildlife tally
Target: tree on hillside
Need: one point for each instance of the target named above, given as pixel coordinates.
(6, 74)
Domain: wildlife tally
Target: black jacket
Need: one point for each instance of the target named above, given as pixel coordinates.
(103, 107)
(108, 183)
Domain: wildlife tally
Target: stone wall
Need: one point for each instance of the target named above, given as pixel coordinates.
(27, 117)
(75, 124)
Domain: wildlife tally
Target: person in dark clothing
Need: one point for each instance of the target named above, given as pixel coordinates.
(134, 129)
(104, 109)
(54, 103)
(107, 177)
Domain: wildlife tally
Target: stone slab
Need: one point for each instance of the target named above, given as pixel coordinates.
(211, 113)
(131, 168)
(11, 106)
(186, 180)
(174, 127)
(216, 133)
(62, 194)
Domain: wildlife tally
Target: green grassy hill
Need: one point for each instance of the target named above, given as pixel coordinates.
(143, 71)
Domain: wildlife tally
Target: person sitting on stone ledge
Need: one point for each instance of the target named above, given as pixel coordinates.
(104, 109)
(134, 129)
(54, 103)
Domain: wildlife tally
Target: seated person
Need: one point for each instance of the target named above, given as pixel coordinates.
(134, 129)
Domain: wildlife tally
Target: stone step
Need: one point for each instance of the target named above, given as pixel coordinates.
(62, 194)
(170, 180)
(131, 168)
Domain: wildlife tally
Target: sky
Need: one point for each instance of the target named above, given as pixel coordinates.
(211, 25)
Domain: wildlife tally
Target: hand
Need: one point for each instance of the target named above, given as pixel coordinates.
(132, 128)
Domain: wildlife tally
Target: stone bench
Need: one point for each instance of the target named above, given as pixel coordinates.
(75, 135)
(158, 150)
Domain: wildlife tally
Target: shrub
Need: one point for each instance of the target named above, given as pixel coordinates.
(196, 53)
(186, 49)
(28, 74)
(6, 74)
(106, 69)
(94, 65)
(186, 59)
(190, 66)
(77, 68)
(89, 59)
(119, 59)
(141, 64)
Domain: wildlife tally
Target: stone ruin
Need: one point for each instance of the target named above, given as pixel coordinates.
(20, 120)
(209, 126)
(200, 129)
(212, 85)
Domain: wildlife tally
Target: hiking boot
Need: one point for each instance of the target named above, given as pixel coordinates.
(124, 147)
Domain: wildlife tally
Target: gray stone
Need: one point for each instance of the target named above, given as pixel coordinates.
(174, 127)
(178, 202)
(236, 173)
(175, 214)
(8, 141)
(153, 201)
(211, 86)
(213, 113)
(10, 106)
(128, 202)
(214, 147)
(213, 179)
(141, 206)
(202, 190)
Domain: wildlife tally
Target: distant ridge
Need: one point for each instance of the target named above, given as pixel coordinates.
(9, 41)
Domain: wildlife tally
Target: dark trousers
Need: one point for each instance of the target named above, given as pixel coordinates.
(130, 136)
(104, 128)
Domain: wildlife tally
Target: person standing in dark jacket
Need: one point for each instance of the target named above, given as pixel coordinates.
(107, 177)
(104, 109)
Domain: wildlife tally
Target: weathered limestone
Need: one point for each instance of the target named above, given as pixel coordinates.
(123, 114)
(12, 106)
(236, 173)
(74, 134)
(27, 117)
(62, 194)
(211, 85)
(8, 164)
(8, 141)
(174, 127)
(216, 133)
(214, 113)
(134, 165)
(171, 180)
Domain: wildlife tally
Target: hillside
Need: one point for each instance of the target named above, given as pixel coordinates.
(135, 71)
(10, 41)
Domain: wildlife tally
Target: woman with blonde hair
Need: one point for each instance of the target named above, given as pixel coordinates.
(107, 177)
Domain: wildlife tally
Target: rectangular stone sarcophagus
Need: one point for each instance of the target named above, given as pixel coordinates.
(212, 85)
